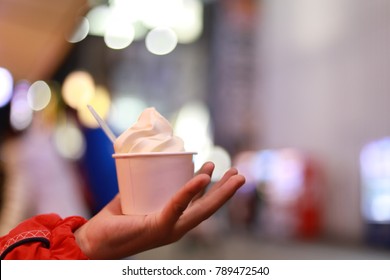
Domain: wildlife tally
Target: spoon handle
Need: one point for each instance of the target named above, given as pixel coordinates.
(102, 124)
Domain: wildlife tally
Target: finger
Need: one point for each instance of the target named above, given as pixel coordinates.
(229, 173)
(209, 204)
(208, 169)
(179, 202)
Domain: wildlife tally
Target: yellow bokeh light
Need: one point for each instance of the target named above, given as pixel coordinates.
(100, 102)
(50, 114)
(78, 89)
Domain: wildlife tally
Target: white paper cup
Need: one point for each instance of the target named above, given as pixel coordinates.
(147, 181)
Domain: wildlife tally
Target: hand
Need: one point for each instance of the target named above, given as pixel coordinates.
(112, 235)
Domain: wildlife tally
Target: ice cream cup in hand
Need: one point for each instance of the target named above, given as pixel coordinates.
(147, 181)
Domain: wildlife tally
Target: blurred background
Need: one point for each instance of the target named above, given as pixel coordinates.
(294, 94)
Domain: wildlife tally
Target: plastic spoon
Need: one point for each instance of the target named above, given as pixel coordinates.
(102, 124)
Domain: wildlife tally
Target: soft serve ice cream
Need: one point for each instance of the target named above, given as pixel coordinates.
(151, 133)
(151, 164)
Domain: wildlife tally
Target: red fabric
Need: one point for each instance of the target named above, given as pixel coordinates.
(43, 237)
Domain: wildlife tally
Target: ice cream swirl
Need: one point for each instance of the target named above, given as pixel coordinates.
(151, 133)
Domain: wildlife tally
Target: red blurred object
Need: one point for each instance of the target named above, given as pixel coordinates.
(308, 205)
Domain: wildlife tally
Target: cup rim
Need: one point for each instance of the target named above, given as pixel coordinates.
(151, 154)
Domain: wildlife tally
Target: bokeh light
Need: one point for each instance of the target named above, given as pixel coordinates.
(188, 24)
(38, 95)
(131, 13)
(98, 18)
(119, 33)
(161, 40)
(192, 124)
(222, 161)
(6, 85)
(21, 113)
(80, 32)
(140, 30)
(375, 172)
(78, 89)
(161, 13)
(122, 21)
(100, 102)
(133, 10)
(69, 140)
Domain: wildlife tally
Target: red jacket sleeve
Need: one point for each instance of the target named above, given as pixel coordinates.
(43, 237)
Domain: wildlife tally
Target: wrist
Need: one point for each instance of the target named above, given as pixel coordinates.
(82, 240)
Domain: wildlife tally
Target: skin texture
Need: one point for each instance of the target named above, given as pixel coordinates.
(112, 235)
